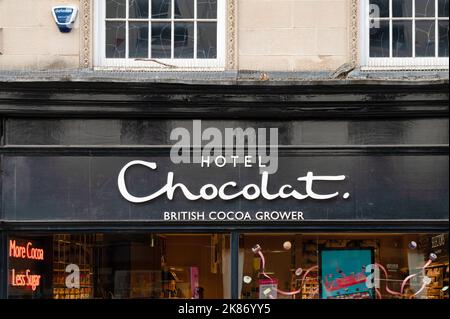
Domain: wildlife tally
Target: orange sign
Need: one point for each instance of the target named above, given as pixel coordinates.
(25, 252)
(26, 279)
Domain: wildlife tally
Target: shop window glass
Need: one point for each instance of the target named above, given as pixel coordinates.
(118, 266)
(366, 266)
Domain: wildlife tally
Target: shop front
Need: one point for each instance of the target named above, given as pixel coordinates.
(125, 191)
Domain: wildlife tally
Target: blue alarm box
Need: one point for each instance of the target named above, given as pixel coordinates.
(64, 17)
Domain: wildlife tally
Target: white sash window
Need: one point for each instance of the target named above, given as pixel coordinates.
(160, 33)
(405, 34)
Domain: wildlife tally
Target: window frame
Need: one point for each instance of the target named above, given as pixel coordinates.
(396, 63)
(99, 46)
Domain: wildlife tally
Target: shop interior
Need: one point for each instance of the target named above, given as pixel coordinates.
(297, 263)
(187, 266)
(123, 266)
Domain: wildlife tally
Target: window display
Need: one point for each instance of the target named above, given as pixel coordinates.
(350, 266)
(195, 266)
(117, 266)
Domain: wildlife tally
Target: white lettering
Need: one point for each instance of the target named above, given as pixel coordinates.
(205, 160)
(210, 191)
(220, 161)
(73, 279)
(248, 161)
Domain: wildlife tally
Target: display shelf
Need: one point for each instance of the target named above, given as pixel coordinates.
(438, 273)
(78, 250)
(310, 288)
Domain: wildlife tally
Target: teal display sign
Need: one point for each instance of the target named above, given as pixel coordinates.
(343, 273)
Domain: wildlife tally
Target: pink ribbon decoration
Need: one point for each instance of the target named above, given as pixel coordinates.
(424, 285)
(257, 249)
(405, 281)
(386, 276)
(378, 293)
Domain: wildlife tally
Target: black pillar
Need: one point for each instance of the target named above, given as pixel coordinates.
(234, 265)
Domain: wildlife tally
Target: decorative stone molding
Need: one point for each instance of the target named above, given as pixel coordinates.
(354, 33)
(86, 34)
(231, 35)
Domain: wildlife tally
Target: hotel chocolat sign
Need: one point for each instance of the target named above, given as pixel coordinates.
(210, 177)
(235, 147)
(229, 191)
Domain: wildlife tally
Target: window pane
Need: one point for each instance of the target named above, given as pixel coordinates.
(184, 40)
(335, 266)
(161, 9)
(138, 9)
(138, 37)
(425, 38)
(379, 40)
(443, 38)
(115, 40)
(443, 8)
(207, 9)
(425, 8)
(115, 8)
(402, 8)
(402, 39)
(184, 9)
(206, 40)
(161, 40)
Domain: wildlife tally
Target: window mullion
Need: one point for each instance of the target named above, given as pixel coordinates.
(368, 21)
(436, 30)
(127, 49)
(149, 44)
(391, 39)
(172, 27)
(413, 29)
(195, 29)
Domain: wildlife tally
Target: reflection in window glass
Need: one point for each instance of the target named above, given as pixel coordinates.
(207, 40)
(379, 40)
(206, 9)
(161, 9)
(115, 8)
(138, 9)
(425, 8)
(161, 40)
(402, 39)
(402, 8)
(338, 266)
(138, 37)
(115, 39)
(184, 40)
(137, 265)
(184, 9)
(425, 38)
(443, 8)
(443, 38)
